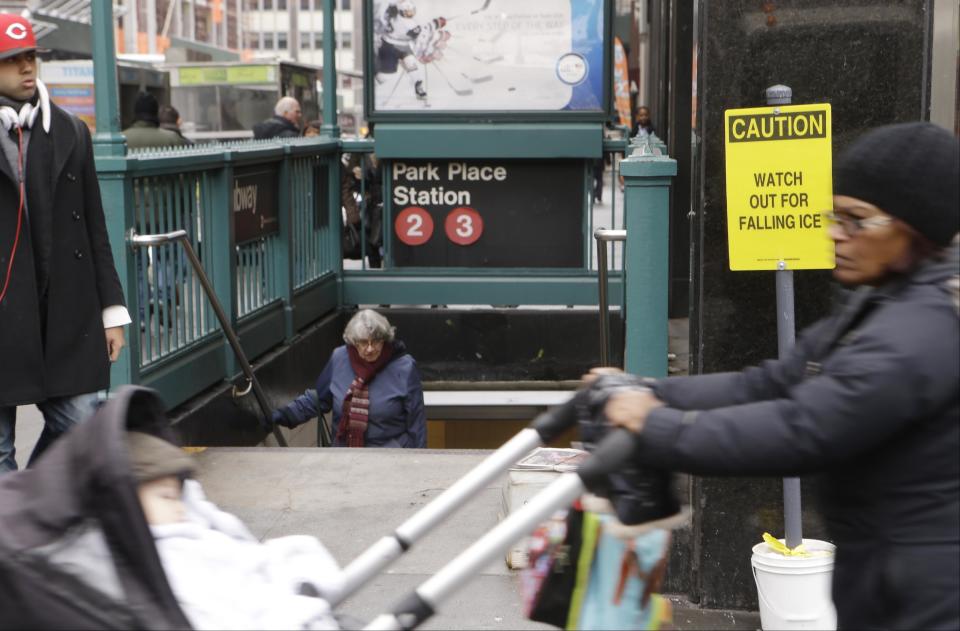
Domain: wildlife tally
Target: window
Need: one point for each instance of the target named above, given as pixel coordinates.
(253, 41)
(305, 5)
(346, 41)
(282, 5)
(345, 5)
(268, 41)
(267, 5)
(318, 40)
(281, 41)
(305, 40)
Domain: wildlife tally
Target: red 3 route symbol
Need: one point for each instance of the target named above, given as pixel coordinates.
(463, 225)
(414, 225)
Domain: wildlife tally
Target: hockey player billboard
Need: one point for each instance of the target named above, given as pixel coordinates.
(488, 55)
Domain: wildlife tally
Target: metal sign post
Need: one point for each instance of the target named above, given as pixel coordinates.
(786, 337)
(779, 180)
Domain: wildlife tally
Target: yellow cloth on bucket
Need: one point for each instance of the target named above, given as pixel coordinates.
(779, 546)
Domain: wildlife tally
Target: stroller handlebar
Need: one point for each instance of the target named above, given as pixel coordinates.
(613, 452)
(557, 420)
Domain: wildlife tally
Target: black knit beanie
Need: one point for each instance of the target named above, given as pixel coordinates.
(146, 108)
(910, 171)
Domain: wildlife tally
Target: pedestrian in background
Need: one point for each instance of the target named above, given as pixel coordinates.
(145, 130)
(285, 122)
(371, 384)
(869, 396)
(643, 125)
(61, 306)
(170, 120)
(312, 129)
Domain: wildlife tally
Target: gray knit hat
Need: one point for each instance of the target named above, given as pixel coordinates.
(910, 171)
(152, 457)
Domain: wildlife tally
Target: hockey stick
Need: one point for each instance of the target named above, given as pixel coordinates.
(458, 91)
(472, 77)
(486, 4)
(400, 76)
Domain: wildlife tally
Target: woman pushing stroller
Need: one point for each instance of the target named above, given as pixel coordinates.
(869, 396)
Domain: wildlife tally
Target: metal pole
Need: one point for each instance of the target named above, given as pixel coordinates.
(558, 495)
(603, 235)
(294, 27)
(181, 236)
(614, 450)
(389, 548)
(108, 141)
(330, 125)
(786, 336)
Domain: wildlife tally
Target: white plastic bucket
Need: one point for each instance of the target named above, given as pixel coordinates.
(794, 592)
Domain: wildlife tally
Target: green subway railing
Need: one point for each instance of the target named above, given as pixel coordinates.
(270, 287)
(274, 285)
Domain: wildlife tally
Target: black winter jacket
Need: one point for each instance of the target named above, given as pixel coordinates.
(275, 127)
(51, 321)
(868, 396)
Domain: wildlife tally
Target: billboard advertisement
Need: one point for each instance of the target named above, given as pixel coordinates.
(487, 56)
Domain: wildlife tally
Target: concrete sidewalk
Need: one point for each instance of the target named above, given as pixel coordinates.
(351, 498)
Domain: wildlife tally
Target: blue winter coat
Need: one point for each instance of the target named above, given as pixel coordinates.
(397, 417)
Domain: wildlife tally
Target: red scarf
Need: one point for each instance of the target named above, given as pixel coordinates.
(356, 402)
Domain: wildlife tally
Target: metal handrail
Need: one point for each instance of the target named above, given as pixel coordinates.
(147, 240)
(603, 235)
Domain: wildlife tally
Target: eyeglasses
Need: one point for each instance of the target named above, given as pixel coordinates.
(852, 225)
(362, 344)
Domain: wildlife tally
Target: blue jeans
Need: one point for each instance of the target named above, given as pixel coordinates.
(59, 415)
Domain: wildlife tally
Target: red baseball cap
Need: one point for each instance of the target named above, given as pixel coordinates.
(16, 35)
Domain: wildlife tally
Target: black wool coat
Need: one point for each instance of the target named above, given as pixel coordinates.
(52, 341)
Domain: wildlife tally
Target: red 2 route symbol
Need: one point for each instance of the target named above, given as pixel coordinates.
(414, 225)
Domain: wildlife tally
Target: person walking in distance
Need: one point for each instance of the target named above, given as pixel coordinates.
(285, 122)
(62, 310)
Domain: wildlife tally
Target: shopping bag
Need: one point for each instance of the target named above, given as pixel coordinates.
(626, 574)
(561, 553)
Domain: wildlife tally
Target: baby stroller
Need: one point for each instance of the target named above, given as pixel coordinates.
(75, 548)
(76, 551)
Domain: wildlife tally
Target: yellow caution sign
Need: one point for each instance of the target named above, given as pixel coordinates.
(779, 183)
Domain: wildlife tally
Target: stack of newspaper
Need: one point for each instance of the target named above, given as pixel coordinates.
(527, 478)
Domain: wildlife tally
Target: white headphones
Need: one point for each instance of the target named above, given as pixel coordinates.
(11, 119)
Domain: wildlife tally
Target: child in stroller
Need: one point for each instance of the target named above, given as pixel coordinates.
(109, 531)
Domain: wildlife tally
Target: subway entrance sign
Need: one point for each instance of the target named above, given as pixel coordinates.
(487, 213)
(779, 183)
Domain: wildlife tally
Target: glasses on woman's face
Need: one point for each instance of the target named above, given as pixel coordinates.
(363, 345)
(852, 225)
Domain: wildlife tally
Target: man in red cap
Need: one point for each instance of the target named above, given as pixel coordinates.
(61, 306)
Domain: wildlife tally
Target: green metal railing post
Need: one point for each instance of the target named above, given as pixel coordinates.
(109, 148)
(108, 140)
(647, 178)
(284, 247)
(116, 190)
(330, 125)
(222, 252)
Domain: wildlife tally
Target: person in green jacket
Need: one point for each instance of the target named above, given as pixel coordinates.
(145, 130)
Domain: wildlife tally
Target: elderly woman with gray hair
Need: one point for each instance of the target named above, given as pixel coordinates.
(371, 384)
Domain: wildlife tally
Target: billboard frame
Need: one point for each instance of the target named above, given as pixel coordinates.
(466, 116)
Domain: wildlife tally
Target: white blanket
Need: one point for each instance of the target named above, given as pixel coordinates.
(223, 578)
